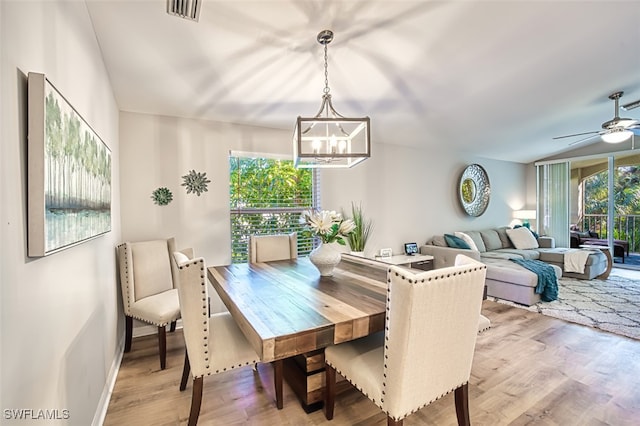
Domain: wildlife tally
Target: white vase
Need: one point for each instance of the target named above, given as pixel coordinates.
(325, 257)
(358, 253)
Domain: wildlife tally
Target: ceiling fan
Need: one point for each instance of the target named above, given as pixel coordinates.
(615, 130)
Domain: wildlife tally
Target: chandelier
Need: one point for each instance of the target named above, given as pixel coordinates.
(329, 139)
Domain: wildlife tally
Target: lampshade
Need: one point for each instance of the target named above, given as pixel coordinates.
(524, 214)
(617, 135)
(329, 139)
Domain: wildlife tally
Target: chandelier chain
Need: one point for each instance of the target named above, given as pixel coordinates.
(326, 71)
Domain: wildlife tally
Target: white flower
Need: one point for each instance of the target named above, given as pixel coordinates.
(328, 225)
(347, 226)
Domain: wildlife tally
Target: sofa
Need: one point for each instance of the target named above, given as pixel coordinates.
(505, 279)
(578, 238)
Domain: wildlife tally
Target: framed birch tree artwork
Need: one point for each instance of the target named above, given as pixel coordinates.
(69, 173)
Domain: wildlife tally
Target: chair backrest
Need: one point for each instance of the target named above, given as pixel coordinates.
(268, 248)
(193, 293)
(145, 269)
(430, 335)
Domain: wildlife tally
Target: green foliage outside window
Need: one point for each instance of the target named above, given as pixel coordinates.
(267, 196)
(626, 204)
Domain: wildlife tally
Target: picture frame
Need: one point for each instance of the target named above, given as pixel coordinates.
(68, 173)
(410, 249)
(386, 252)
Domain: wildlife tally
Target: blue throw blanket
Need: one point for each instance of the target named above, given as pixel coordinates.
(547, 286)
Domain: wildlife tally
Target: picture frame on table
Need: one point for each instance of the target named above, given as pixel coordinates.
(386, 252)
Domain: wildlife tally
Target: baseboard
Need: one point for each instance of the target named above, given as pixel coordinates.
(105, 398)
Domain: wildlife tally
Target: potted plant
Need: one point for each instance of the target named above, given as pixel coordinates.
(362, 230)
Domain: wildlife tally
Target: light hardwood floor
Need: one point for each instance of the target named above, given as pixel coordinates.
(528, 370)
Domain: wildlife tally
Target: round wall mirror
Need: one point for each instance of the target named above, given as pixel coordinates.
(474, 190)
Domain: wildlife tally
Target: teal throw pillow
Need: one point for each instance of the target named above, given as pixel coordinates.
(456, 242)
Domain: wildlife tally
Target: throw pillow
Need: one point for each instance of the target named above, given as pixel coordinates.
(491, 239)
(522, 238)
(439, 241)
(504, 238)
(477, 240)
(467, 239)
(535, 234)
(455, 242)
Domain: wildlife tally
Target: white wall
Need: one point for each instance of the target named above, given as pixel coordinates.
(156, 151)
(410, 194)
(60, 318)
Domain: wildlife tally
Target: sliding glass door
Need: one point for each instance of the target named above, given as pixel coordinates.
(599, 194)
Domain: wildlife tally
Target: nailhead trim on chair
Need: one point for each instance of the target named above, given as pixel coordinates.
(386, 337)
(205, 323)
(126, 273)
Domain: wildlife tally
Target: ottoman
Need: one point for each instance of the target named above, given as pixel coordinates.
(509, 281)
(596, 262)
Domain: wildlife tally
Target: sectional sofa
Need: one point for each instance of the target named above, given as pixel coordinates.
(506, 279)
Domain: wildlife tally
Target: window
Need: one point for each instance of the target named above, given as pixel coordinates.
(267, 196)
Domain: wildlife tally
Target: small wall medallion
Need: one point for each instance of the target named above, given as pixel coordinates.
(195, 182)
(162, 196)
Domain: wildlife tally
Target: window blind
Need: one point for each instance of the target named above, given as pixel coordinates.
(267, 196)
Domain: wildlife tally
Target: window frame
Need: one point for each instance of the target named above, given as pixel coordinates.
(288, 214)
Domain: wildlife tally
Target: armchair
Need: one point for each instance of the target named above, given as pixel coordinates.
(148, 288)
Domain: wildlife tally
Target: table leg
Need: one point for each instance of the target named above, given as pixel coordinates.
(277, 378)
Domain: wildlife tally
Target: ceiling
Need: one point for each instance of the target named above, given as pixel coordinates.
(496, 79)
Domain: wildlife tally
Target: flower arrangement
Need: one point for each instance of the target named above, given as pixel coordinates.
(327, 225)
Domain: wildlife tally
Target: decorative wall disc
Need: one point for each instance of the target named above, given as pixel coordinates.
(195, 182)
(162, 196)
(474, 190)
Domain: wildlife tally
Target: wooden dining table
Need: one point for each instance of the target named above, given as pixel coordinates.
(289, 314)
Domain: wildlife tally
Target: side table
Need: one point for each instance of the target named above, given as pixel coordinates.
(607, 252)
(418, 261)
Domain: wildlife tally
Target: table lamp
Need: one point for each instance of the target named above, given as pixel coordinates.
(525, 216)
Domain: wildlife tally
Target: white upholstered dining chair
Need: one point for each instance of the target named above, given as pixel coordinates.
(149, 294)
(214, 343)
(426, 349)
(269, 248)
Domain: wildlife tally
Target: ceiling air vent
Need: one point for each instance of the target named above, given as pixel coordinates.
(187, 9)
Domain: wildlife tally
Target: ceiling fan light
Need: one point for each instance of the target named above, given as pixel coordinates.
(617, 136)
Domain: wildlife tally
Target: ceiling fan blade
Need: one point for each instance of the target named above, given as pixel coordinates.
(584, 139)
(631, 105)
(577, 134)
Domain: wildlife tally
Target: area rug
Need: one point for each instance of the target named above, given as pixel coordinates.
(612, 305)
